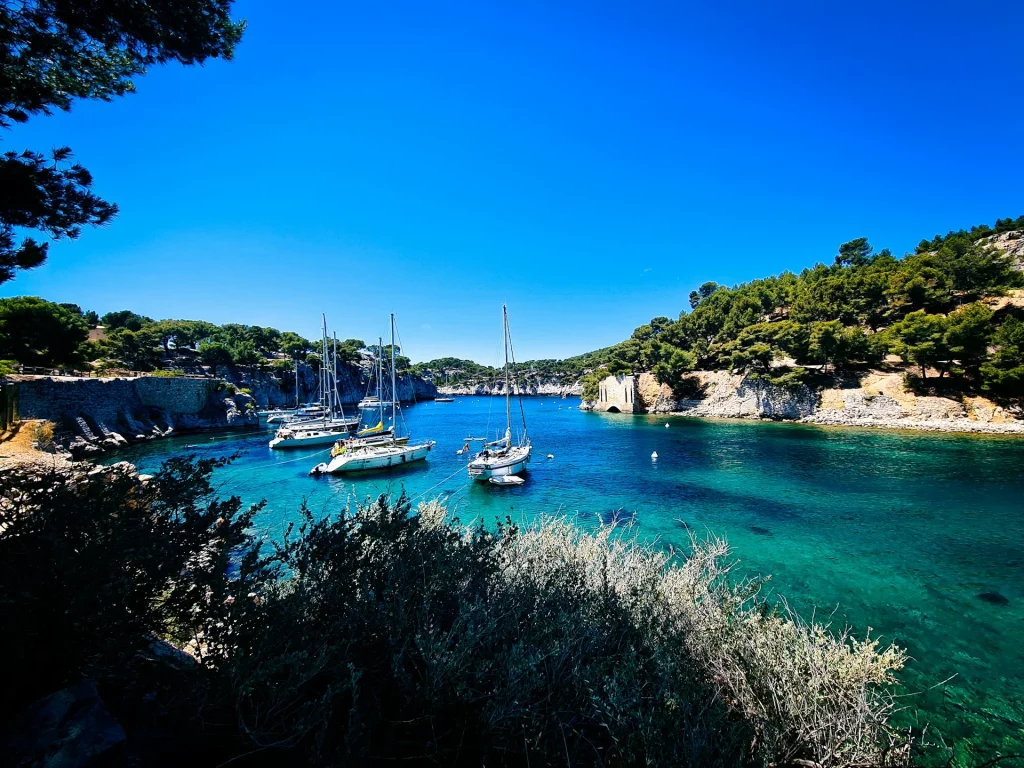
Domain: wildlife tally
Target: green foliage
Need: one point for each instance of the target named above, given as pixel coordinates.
(245, 353)
(294, 345)
(968, 331)
(34, 331)
(920, 339)
(381, 635)
(59, 52)
(617, 366)
(282, 367)
(90, 571)
(50, 194)
(849, 312)
(215, 354)
(168, 374)
(1004, 373)
(135, 350)
(592, 386)
(124, 318)
(967, 238)
(8, 367)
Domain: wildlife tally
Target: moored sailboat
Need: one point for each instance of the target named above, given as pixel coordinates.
(332, 422)
(504, 456)
(378, 447)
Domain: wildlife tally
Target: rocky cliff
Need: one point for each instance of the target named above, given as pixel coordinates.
(92, 415)
(270, 389)
(872, 399)
(547, 387)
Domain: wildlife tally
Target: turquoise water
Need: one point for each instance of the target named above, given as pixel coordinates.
(894, 531)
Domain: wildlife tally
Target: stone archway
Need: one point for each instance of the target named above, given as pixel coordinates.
(613, 409)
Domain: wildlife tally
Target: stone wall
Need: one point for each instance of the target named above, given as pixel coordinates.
(96, 413)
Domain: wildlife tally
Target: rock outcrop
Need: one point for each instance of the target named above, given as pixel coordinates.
(553, 387)
(873, 399)
(71, 728)
(879, 399)
(730, 396)
(1012, 243)
(93, 415)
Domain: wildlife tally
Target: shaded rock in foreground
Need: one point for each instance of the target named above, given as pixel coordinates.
(69, 728)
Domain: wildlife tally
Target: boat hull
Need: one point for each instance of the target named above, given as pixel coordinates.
(306, 440)
(508, 465)
(379, 458)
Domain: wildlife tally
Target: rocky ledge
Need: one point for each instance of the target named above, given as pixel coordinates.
(874, 399)
(95, 415)
(553, 388)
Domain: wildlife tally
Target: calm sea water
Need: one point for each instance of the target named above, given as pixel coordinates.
(893, 531)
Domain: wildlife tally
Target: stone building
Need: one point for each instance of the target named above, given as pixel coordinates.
(618, 394)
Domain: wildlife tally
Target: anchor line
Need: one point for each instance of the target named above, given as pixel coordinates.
(301, 458)
(424, 493)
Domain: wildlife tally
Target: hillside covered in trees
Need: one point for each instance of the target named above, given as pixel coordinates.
(936, 308)
(36, 332)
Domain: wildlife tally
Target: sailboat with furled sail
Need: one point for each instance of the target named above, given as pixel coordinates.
(378, 447)
(332, 422)
(502, 460)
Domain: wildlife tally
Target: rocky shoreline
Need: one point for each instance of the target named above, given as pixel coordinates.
(552, 389)
(874, 399)
(94, 415)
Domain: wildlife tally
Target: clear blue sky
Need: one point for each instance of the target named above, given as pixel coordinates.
(588, 163)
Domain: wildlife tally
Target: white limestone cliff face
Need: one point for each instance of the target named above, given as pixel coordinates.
(872, 399)
(546, 387)
(1013, 245)
(730, 396)
(878, 399)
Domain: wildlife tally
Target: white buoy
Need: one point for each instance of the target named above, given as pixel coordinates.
(666, 426)
(654, 456)
(551, 455)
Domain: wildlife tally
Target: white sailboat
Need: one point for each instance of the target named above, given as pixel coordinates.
(332, 423)
(504, 457)
(376, 449)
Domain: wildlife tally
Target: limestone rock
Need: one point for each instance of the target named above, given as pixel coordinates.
(67, 729)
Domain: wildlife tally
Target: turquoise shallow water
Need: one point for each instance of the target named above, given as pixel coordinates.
(894, 531)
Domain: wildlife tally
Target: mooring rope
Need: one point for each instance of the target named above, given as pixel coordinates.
(424, 493)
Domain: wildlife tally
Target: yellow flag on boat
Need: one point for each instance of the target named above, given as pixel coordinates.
(373, 430)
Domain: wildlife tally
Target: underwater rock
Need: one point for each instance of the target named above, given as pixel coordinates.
(995, 598)
(761, 531)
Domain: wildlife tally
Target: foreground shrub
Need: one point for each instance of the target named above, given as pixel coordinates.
(383, 635)
(93, 566)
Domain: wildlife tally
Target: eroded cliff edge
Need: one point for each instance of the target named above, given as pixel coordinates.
(868, 399)
(91, 415)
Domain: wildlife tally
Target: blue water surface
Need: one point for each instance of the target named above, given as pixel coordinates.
(897, 532)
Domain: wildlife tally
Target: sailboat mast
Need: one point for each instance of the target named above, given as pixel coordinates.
(394, 391)
(508, 393)
(325, 395)
(380, 377)
(296, 382)
(334, 368)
